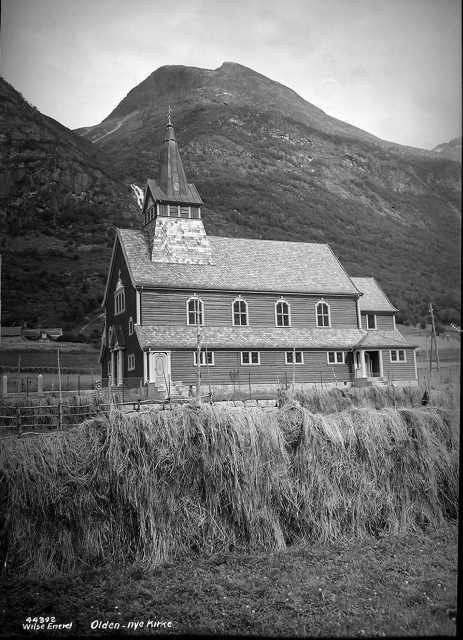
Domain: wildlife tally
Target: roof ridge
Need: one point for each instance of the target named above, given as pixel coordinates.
(318, 244)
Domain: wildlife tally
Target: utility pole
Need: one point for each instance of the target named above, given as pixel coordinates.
(198, 351)
(60, 404)
(294, 368)
(433, 334)
(433, 343)
(0, 298)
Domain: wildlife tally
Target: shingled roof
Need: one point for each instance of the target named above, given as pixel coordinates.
(374, 298)
(181, 337)
(243, 265)
(384, 339)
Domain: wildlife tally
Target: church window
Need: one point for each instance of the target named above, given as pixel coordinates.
(335, 357)
(282, 314)
(398, 355)
(205, 358)
(323, 314)
(131, 362)
(250, 357)
(130, 326)
(119, 301)
(294, 357)
(195, 311)
(240, 312)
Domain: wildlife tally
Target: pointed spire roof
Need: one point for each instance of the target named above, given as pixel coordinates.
(171, 185)
(172, 178)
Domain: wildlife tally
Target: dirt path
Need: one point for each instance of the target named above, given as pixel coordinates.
(118, 126)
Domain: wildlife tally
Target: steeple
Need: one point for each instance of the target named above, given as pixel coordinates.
(172, 211)
(172, 178)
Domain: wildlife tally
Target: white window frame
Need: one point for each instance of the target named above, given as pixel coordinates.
(119, 301)
(322, 326)
(398, 360)
(241, 300)
(290, 353)
(131, 362)
(282, 301)
(371, 315)
(202, 358)
(201, 312)
(250, 363)
(130, 323)
(343, 355)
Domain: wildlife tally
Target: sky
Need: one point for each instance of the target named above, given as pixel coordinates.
(390, 67)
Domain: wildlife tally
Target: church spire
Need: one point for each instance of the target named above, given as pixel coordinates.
(172, 178)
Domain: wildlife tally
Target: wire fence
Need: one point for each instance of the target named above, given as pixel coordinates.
(21, 420)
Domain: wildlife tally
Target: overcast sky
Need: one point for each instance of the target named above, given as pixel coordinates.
(390, 67)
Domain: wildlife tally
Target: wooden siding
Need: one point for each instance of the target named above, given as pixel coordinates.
(398, 370)
(169, 308)
(272, 369)
(122, 319)
(384, 322)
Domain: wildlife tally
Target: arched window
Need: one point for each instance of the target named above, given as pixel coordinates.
(323, 314)
(195, 311)
(282, 314)
(119, 297)
(130, 326)
(240, 312)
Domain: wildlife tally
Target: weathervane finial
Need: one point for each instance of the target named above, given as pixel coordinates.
(169, 116)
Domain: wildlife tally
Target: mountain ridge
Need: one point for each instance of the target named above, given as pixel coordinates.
(271, 165)
(59, 197)
(265, 167)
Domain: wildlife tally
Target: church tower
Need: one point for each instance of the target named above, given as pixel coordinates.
(172, 211)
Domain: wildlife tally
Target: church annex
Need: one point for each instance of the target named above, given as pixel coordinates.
(263, 312)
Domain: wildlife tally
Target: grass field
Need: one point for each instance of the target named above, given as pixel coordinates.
(388, 586)
(448, 344)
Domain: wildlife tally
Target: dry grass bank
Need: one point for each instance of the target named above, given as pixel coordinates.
(149, 487)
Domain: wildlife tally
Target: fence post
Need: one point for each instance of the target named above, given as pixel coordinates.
(40, 383)
(18, 418)
(109, 392)
(4, 385)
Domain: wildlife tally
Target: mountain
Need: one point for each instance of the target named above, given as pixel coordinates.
(451, 149)
(268, 165)
(59, 198)
(271, 165)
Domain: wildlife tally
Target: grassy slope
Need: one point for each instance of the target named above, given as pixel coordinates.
(375, 587)
(448, 343)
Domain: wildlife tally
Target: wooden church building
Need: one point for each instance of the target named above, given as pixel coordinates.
(263, 312)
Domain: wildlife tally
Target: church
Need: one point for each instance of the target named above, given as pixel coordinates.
(182, 307)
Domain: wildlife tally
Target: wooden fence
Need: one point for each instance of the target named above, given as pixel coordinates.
(16, 420)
